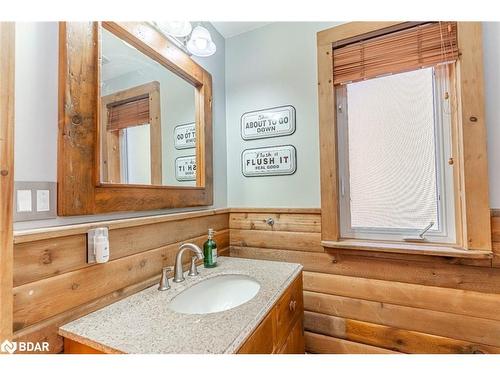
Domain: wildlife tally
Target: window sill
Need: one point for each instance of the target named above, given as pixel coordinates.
(407, 248)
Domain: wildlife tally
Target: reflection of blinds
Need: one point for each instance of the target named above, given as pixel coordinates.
(420, 46)
(131, 113)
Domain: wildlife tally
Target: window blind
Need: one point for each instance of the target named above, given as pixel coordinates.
(130, 113)
(410, 49)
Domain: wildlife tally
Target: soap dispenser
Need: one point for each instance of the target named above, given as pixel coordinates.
(210, 251)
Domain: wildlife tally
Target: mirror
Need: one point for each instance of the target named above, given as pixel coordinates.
(148, 119)
(135, 121)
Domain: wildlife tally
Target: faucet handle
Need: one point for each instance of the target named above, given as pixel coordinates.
(164, 284)
(193, 271)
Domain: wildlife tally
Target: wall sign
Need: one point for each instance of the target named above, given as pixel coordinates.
(266, 123)
(269, 161)
(185, 168)
(185, 136)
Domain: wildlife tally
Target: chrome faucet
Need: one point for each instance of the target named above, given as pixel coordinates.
(178, 274)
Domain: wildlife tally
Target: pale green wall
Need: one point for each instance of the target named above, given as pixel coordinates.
(268, 67)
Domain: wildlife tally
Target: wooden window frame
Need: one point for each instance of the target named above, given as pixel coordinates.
(80, 190)
(469, 144)
(110, 141)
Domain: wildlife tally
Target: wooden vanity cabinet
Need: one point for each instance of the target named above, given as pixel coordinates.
(281, 331)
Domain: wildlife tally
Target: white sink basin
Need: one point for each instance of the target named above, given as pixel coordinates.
(216, 294)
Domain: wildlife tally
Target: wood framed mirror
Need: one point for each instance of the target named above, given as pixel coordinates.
(135, 121)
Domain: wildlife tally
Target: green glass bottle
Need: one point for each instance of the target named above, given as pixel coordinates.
(210, 251)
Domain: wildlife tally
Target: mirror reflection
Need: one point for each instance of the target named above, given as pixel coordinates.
(148, 132)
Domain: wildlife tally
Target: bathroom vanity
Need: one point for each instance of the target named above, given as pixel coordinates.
(271, 321)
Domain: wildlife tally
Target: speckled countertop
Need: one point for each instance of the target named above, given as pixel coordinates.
(143, 323)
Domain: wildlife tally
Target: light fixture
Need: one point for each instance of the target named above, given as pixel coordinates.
(178, 29)
(200, 43)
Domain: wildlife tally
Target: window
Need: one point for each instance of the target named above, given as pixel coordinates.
(394, 137)
(396, 101)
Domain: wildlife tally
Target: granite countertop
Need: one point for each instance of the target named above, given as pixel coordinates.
(143, 323)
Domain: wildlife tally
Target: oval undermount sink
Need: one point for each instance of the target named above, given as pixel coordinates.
(216, 294)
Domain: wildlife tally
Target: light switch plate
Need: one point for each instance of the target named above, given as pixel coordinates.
(42, 200)
(35, 200)
(24, 202)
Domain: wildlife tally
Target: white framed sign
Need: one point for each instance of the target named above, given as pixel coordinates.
(185, 168)
(269, 161)
(185, 136)
(266, 123)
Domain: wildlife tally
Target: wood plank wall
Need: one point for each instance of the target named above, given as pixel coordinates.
(53, 284)
(359, 302)
(355, 302)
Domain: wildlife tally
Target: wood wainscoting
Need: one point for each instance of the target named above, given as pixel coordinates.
(53, 284)
(355, 301)
(370, 302)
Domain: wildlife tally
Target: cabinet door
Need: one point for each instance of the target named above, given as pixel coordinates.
(294, 343)
(262, 339)
(290, 307)
(73, 347)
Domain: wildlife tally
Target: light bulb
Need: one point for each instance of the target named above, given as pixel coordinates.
(201, 43)
(178, 29)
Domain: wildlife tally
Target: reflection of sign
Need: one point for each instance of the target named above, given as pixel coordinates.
(272, 122)
(185, 168)
(269, 161)
(185, 136)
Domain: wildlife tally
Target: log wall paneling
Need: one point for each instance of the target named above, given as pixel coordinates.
(54, 284)
(370, 302)
(355, 302)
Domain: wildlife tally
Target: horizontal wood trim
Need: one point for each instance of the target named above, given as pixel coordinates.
(321, 344)
(389, 337)
(288, 222)
(495, 212)
(407, 248)
(338, 253)
(309, 242)
(57, 294)
(30, 235)
(277, 210)
(355, 29)
(479, 330)
(462, 302)
(480, 279)
(122, 198)
(50, 257)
